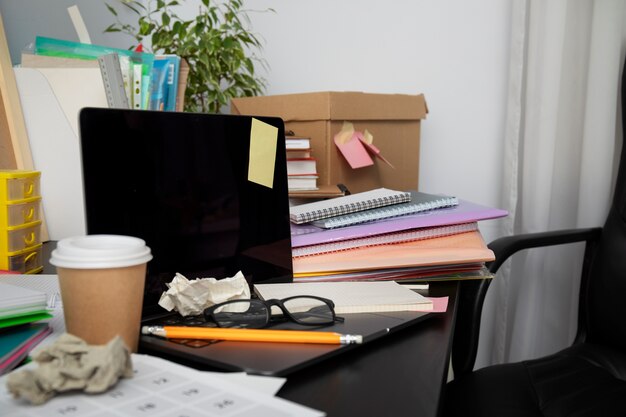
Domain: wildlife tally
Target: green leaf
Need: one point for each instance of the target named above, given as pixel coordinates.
(134, 9)
(249, 65)
(156, 40)
(112, 28)
(111, 9)
(165, 18)
(213, 14)
(229, 43)
(144, 28)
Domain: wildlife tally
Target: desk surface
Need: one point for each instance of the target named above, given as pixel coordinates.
(399, 375)
(402, 374)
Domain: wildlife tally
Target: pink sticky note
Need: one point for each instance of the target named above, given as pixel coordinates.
(354, 151)
(440, 304)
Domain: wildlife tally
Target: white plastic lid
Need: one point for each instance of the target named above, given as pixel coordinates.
(100, 251)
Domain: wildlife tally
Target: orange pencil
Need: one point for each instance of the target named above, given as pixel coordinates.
(251, 335)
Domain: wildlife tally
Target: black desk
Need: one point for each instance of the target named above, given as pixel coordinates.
(402, 374)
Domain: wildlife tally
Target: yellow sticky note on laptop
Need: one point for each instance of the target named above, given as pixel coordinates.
(263, 139)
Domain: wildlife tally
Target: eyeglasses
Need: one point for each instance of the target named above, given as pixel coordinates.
(255, 313)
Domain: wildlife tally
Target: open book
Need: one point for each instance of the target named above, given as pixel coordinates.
(352, 297)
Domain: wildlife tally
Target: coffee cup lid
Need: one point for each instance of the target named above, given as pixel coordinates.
(100, 251)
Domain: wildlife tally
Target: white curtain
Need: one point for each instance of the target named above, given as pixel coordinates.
(562, 140)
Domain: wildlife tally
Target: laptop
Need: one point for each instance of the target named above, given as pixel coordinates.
(184, 183)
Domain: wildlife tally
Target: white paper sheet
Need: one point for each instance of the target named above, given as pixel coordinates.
(51, 100)
(161, 388)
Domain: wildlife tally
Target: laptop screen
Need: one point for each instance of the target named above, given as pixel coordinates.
(180, 181)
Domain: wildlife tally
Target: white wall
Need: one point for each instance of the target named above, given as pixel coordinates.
(453, 51)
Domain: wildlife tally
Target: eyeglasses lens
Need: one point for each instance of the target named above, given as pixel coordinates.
(307, 310)
(242, 313)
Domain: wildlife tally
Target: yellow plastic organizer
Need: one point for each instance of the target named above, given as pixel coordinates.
(25, 262)
(20, 221)
(18, 185)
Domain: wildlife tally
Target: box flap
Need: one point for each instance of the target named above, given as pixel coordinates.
(367, 106)
(334, 106)
(307, 106)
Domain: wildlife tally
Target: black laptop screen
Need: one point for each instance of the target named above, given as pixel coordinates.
(180, 182)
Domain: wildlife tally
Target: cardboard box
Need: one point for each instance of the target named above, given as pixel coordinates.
(392, 119)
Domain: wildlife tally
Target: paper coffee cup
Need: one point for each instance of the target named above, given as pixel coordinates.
(102, 280)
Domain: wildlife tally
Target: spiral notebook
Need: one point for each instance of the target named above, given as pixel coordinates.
(309, 212)
(385, 239)
(419, 202)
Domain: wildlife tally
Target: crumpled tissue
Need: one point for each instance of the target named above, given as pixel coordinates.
(71, 364)
(192, 297)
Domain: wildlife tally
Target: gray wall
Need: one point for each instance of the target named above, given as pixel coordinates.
(25, 19)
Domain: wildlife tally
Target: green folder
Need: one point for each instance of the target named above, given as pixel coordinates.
(9, 321)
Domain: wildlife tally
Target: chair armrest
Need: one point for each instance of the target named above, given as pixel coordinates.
(504, 247)
(472, 293)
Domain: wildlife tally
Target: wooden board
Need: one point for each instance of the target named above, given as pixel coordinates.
(15, 150)
(14, 143)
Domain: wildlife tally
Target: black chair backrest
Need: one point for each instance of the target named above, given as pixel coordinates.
(606, 292)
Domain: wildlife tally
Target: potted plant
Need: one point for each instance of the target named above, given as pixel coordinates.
(216, 44)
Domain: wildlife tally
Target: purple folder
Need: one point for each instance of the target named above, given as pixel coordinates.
(465, 212)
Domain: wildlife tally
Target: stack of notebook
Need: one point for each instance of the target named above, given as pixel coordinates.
(389, 235)
(21, 309)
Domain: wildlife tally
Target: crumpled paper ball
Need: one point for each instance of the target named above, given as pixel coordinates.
(71, 364)
(192, 297)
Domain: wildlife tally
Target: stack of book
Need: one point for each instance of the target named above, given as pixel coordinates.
(301, 166)
(21, 310)
(385, 234)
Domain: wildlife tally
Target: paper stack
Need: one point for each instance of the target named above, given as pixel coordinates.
(427, 238)
(20, 310)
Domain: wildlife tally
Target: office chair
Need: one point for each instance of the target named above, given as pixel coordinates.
(586, 379)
